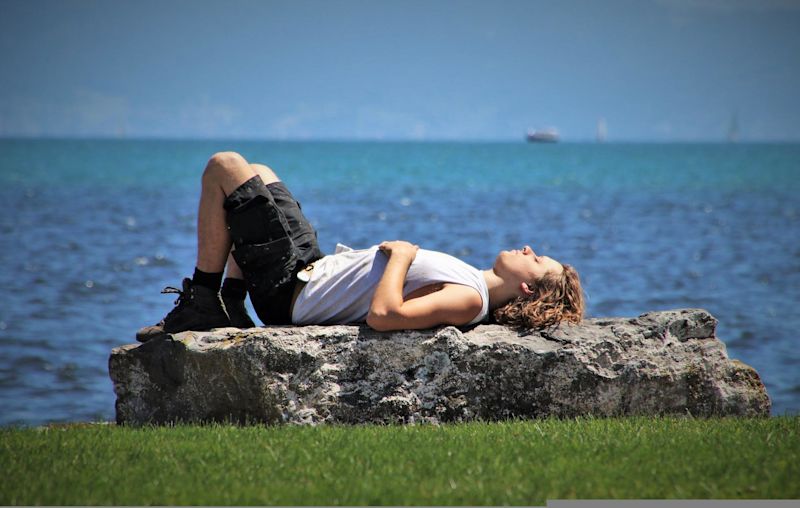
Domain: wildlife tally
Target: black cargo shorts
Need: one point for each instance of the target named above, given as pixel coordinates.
(272, 241)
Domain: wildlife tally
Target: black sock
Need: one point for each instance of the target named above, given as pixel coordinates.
(206, 279)
(234, 288)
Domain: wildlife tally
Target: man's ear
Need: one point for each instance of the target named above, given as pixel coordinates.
(525, 289)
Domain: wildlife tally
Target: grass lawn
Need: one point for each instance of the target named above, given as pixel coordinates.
(520, 462)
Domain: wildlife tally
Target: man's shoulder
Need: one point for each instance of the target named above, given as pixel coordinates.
(468, 296)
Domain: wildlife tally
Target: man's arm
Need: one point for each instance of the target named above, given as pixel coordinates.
(454, 304)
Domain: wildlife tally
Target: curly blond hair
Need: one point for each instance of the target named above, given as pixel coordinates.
(555, 298)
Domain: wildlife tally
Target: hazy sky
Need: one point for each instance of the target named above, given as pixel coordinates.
(655, 70)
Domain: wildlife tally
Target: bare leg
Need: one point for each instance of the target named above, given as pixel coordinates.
(224, 172)
(232, 270)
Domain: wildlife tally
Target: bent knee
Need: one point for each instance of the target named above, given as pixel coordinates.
(224, 162)
(226, 159)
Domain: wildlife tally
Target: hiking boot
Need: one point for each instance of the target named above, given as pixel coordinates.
(197, 308)
(237, 312)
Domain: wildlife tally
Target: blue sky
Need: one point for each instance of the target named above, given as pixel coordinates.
(666, 70)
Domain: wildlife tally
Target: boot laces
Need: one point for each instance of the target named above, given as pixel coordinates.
(183, 297)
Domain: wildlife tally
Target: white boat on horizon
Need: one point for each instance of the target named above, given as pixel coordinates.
(548, 135)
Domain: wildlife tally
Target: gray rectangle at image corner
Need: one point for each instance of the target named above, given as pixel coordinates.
(683, 503)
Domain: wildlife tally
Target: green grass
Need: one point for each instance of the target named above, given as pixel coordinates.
(478, 463)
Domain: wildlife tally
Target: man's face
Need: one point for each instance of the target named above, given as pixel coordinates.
(525, 266)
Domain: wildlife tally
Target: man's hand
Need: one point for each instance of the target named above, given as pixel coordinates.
(454, 304)
(399, 248)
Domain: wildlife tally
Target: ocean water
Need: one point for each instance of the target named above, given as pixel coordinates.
(91, 230)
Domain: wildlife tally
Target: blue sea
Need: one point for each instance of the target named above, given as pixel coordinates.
(92, 230)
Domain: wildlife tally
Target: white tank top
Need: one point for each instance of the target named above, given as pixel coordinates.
(341, 286)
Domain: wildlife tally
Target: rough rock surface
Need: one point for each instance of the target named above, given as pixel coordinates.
(659, 363)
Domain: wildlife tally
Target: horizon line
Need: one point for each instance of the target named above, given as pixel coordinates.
(248, 139)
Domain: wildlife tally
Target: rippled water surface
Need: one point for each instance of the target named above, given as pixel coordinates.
(90, 231)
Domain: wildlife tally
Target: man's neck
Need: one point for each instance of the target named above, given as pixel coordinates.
(499, 292)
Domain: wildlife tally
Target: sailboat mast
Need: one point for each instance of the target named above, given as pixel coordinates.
(602, 130)
(733, 129)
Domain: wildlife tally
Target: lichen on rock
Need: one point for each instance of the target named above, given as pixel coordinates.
(667, 362)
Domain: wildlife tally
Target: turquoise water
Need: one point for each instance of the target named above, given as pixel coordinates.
(92, 230)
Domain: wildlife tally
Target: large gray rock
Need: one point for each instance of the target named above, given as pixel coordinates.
(659, 363)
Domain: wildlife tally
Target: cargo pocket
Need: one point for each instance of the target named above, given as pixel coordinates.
(267, 265)
(257, 221)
